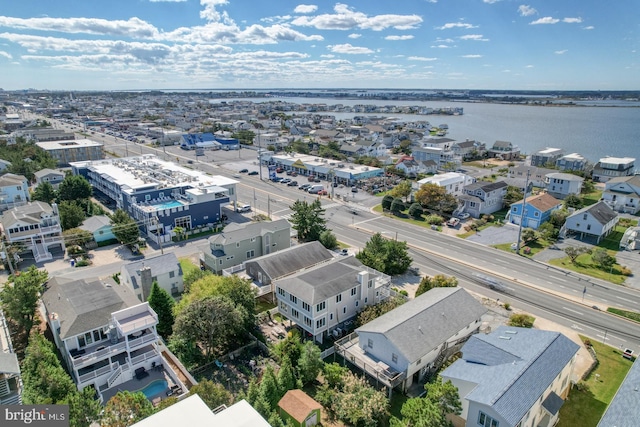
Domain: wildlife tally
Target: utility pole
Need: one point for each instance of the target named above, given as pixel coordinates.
(260, 154)
(524, 206)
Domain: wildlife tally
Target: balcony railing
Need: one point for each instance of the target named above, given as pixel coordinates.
(144, 357)
(142, 340)
(95, 374)
(93, 357)
(135, 318)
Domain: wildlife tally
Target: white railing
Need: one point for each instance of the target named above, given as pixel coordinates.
(114, 376)
(94, 374)
(101, 354)
(143, 357)
(142, 340)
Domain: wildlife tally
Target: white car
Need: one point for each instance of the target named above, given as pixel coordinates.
(464, 215)
(243, 208)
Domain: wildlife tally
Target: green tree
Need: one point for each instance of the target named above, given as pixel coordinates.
(529, 235)
(269, 389)
(374, 311)
(558, 217)
(385, 255)
(275, 420)
(84, 409)
(548, 231)
(573, 201)
(310, 362)
(213, 394)
(438, 281)
(333, 373)
(290, 347)
(308, 220)
(286, 377)
(514, 194)
(434, 197)
(44, 192)
(162, 303)
(434, 219)
(574, 252)
(359, 404)
(19, 298)
(416, 211)
(602, 258)
(588, 187)
(125, 409)
(397, 206)
(521, 320)
(74, 188)
(71, 215)
(76, 237)
(402, 190)
(124, 228)
(192, 276)
(386, 202)
(430, 411)
(328, 239)
(445, 396)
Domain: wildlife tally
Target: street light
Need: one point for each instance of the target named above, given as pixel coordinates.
(388, 232)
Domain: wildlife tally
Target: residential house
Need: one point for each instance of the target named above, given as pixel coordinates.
(613, 167)
(404, 345)
(14, 191)
(4, 165)
(504, 150)
(545, 157)
(73, 150)
(560, 185)
(537, 175)
(537, 210)
(427, 166)
(624, 408)
(452, 182)
(164, 269)
(53, 177)
(105, 336)
(193, 412)
(439, 150)
(513, 377)
(622, 194)
(483, 198)
(469, 149)
(100, 227)
(299, 409)
(264, 270)
(320, 298)
(352, 150)
(237, 244)
(572, 162)
(409, 167)
(35, 226)
(10, 379)
(592, 222)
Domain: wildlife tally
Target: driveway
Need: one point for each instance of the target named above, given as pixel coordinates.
(508, 233)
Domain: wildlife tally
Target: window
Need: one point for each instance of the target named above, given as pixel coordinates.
(294, 313)
(284, 307)
(307, 321)
(293, 299)
(536, 214)
(251, 253)
(394, 358)
(486, 421)
(339, 298)
(370, 343)
(172, 274)
(253, 239)
(320, 322)
(354, 291)
(330, 316)
(344, 310)
(366, 300)
(357, 303)
(584, 217)
(281, 291)
(370, 284)
(237, 244)
(321, 306)
(588, 226)
(306, 306)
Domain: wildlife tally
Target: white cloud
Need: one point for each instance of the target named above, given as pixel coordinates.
(526, 10)
(490, 1)
(561, 52)
(6, 54)
(354, 36)
(471, 56)
(345, 18)
(450, 25)
(506, 71)
(545, 20)
(210, 13)
(134, 27)
(476, 37)
(421, 58)
(328, 55)
(572, 20)
(529, 66)
(590, 27)
(349, 49)
(305, 8)
(441, 46)
(407, 37)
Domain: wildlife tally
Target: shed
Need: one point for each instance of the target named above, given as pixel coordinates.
(300, 409)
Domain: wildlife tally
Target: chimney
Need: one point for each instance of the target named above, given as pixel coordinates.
(146, 280)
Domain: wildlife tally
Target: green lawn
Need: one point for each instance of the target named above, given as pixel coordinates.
(585, 408)
(591, 198)
(584, 265)
(406, 218)
(535, 247)
(263, 305)
(631, 315)
(480, 164)
(187, 266)
(612, 241)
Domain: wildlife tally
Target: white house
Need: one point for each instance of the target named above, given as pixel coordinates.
(560, 185)
(53, 177)
(572, 162)
(548, 156)
(593, 222)
(14, 191)
(483, 198)
(163, 269)
(452, 182)
(513, 377)
(403, 345)
(613, 167)
(622, 194)
(321, 297)
(10, 379)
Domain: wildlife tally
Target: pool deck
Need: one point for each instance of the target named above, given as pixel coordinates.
(135, 385)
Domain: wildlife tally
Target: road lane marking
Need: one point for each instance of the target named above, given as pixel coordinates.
(573, 311)
(624, 299)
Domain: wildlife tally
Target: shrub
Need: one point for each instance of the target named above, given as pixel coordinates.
(626, 271)
(521, 320)
(434, 219)
(507, 306)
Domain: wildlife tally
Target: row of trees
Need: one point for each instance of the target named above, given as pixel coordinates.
(26, 158)
(73, 197)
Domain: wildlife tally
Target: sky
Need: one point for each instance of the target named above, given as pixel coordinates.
(259, 44)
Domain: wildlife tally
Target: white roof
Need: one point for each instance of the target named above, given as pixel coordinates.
(443, 179)
(617, 160)
(69, 143)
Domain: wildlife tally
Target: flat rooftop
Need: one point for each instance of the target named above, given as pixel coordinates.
(322, 165)
(68, 143)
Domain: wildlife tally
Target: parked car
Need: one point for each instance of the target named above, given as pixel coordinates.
(277, 179)
(354, 189)
(294, 173)
(253, 173)
(304, 187)
(311, 178)
(243, 170)
(243, 208)
(279, 170)
(453, 222)
(323, 193)
(464, 215)
(293, 184)
(289, 173)
(285, 181)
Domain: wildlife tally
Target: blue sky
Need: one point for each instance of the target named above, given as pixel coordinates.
(425, 44)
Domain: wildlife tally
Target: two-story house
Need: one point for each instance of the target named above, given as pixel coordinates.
(560, 185)
(513, 377)
(537, 175)
(452, 182)
(592, 222)
(320, 298)
(504, 150)
(34, 226)
(483, 198)
(469, 149)
(237, 244)
(623, 194)
(545, 157)
(163, 269)
(537, 210)
(613, 167)
(572, 162)
(405, 344)
(14, 191)
(10, 379)
(53, 177)
(106, 337)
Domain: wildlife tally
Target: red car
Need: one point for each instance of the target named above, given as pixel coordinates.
(279, 170)
(322, 193)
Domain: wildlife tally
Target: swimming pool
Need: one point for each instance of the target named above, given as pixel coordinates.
(167, 205)
(156, 387)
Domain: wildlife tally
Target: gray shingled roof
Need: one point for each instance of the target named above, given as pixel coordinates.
(95, 223)
(249, 231)
(160, 264)
(290, 260)
(486, 186)
(11, 179)
(9, 363)
(46, 171)
(85, 305)
(512, 367)
(601, 212)
(624, 409)
(427, 321)
(323, 281)
(565, 176)
(29, 213)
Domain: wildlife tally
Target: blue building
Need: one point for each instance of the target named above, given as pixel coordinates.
(100, 227)
(537, 210)
(159, 195)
